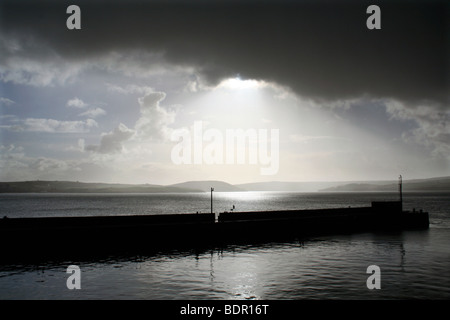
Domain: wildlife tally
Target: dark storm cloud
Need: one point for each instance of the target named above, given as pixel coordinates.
(319, 49)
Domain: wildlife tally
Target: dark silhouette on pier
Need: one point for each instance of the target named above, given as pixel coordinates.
(47, 237)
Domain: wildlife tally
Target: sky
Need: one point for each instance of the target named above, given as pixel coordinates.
(150, 91)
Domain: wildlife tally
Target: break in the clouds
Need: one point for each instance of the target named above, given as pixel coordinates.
(320, 50)
(349, 102)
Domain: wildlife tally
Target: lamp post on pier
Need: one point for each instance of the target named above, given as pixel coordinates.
(212, 189)
(400, 191)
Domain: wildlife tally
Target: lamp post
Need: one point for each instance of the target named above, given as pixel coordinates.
(400, 191)
(212, 189)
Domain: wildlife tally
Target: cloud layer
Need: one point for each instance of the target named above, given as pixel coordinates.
(12, 123)
(155, 120)
(319, 49)
(152, 124)
(349, 100)
(112, 142)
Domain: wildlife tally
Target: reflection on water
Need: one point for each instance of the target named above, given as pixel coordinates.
(413, 265)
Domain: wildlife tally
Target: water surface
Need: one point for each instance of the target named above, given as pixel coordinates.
(414, 264)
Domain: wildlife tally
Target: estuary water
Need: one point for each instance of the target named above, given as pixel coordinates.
(413, 264)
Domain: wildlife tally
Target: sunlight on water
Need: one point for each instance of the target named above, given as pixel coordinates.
(414, 264)
(322, 268)
(47, 205)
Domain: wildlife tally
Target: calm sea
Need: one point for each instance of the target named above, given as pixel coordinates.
(413, 264)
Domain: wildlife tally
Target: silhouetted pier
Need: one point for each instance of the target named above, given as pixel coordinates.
(125, 234)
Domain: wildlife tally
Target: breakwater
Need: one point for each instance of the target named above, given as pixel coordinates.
(99, 235)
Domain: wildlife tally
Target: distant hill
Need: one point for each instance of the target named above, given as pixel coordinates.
(298, 186)
(80, 187)
(432, 184)
(206, 186)
(286, 186)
